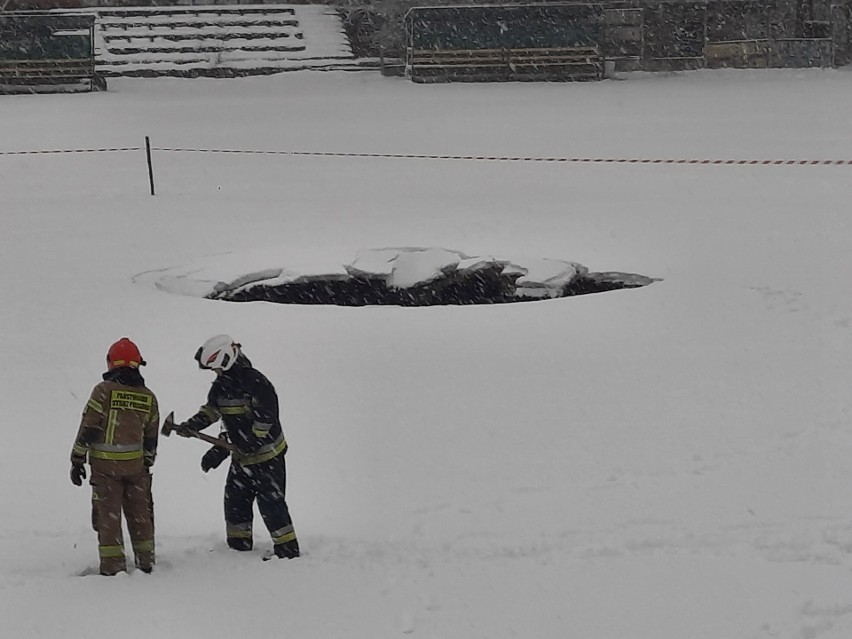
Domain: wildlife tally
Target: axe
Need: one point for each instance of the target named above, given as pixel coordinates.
(169, 426)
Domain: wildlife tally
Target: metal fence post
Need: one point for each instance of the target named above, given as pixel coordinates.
(150, 165)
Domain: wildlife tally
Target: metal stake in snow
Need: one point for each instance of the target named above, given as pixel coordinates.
(150, 166)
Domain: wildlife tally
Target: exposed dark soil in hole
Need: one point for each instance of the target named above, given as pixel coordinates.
(485, 286)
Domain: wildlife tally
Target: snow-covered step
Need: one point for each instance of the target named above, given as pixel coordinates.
(196, 22)
(211, 11)
(220, 56)
(129, 27)
(200, 39)
(237, 68)
(182, 33)
(204, 46)
(156, 16)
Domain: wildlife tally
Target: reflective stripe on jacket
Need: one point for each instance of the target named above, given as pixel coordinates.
(262, 454)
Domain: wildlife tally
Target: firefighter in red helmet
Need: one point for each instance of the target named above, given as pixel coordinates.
(118, 438)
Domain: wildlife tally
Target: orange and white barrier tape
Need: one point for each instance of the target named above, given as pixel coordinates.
(480, 158)
(501, 158)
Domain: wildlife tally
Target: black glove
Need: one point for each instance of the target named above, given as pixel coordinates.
(184, 429)
(78, 474)
(149, 447)
(213, 458)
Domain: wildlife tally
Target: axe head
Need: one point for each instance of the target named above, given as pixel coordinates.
(168, 424)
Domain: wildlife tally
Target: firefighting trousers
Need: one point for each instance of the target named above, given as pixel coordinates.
(112, 495)
(266, 483)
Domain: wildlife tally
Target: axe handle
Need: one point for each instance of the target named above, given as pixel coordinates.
(216, 441)
(169, 426)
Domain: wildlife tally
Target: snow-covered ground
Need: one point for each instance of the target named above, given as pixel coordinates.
(669, 462)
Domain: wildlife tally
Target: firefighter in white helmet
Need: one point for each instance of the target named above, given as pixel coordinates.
(247, 404)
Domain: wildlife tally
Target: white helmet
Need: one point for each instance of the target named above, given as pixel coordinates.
(219, 351)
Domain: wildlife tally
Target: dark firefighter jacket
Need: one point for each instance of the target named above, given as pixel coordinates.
(120, 424)
(247, 404)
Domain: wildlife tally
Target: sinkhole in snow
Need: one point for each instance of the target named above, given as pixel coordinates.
(423, 277)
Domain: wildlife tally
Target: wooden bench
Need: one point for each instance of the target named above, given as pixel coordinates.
(31, 73)
(484, 65)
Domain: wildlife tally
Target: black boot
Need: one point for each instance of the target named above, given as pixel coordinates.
(240, 543)
(287, 550)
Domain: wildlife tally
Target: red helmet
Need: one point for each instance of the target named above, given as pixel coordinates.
(124, 353)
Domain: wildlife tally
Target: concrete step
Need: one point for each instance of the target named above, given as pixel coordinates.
(187, 33)
(124, 27)
(201, 47)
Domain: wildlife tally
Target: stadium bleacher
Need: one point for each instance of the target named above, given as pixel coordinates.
(219, 41)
